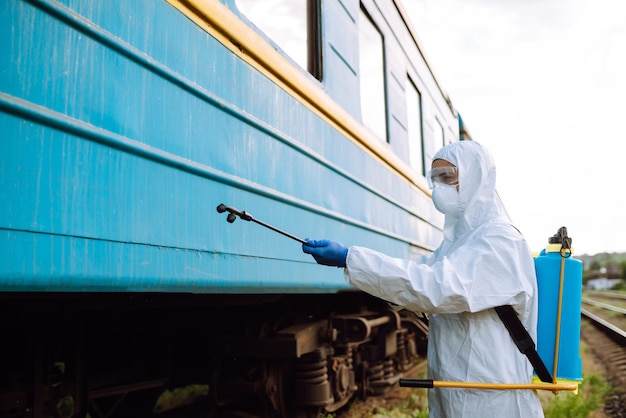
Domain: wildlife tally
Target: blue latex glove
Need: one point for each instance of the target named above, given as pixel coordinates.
(326, 252)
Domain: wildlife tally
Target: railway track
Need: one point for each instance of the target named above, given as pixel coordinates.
(607, 312)
(604, 330)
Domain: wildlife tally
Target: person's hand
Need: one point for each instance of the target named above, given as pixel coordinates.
(326, 252)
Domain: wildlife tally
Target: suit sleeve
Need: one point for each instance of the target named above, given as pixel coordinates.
(484, 273)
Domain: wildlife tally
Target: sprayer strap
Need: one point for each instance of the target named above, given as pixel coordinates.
(523, 340)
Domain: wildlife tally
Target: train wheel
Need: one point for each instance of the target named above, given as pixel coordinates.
(281, 393)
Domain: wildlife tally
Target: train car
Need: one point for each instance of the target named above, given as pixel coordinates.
(124, 124)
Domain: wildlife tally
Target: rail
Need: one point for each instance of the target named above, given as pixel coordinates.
(606, 337)
(606, 317)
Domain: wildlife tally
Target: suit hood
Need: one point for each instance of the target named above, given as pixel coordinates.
(478, 199)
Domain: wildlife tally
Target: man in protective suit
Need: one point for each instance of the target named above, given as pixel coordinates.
(483, 262)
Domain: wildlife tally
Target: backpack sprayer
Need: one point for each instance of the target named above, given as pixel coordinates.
(558, 328)
(559, 284)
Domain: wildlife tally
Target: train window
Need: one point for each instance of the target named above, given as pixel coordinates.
(439, 135)
(414, 126)
(293, 25)
(372, 76)
(436, 141)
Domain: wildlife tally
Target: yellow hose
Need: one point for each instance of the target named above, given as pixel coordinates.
(557, 337)
(554, 387)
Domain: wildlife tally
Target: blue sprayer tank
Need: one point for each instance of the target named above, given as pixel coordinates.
(548, 267)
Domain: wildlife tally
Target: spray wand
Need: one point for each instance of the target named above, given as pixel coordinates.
(232, 217)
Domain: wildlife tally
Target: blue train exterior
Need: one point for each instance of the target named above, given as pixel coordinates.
(124, 124)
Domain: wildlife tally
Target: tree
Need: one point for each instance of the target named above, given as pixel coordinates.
(595, 265)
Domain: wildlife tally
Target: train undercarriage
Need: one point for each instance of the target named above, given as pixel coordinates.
(110, 355)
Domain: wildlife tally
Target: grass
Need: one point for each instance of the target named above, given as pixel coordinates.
(413, 407)
(171, 399)
(591, 396)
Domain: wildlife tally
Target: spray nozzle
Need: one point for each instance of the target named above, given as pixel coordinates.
(234, 213)
(561, 238)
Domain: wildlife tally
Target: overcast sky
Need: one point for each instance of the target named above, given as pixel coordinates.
(542, 84)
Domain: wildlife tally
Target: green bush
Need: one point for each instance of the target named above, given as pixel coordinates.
(592, 393)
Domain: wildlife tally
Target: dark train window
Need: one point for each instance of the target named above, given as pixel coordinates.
(372, 76)
(414, 126)
(294, 25)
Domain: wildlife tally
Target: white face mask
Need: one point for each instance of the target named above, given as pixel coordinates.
(446, 199)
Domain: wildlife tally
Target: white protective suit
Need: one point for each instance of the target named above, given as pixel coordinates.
(482, 263)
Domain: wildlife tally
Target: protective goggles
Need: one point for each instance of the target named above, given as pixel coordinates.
(443, 175)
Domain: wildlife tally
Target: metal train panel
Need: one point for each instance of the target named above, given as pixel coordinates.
(123, 136)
